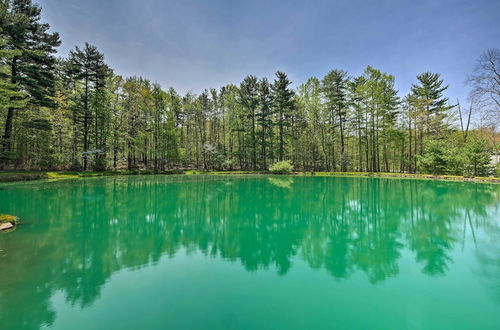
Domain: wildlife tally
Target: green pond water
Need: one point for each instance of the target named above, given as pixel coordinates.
(252, 252)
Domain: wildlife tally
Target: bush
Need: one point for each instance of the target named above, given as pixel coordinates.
(471, 158)
(435, 159)
(478, 158)
(442, 157)
(283, 167)
(227, 164)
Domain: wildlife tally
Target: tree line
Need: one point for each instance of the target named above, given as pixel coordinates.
(76, 113)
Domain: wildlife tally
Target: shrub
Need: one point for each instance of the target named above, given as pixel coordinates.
(478, 158)
(441, 157)
(435, 158)
(4, 218)
(283, 167)
(227, 164)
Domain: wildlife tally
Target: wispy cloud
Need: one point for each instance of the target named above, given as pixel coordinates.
(196, 44)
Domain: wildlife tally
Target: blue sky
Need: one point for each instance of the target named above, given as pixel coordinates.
(197, 44)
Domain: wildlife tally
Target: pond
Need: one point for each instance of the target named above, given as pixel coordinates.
(250, 252)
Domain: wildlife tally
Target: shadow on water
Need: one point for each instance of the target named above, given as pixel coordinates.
(81, 232)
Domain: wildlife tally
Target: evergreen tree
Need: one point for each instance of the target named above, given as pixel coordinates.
(249, 100)
(31, 62)
(428, 96)
(76, 110)
(283, 105)
(355, 101)
(334, 87)
(264, 119)
(10, 95)
(477, 157)
(88, 71)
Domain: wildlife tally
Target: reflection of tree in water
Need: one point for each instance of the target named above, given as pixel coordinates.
(342, 225)
(488, 251)
(281, 181)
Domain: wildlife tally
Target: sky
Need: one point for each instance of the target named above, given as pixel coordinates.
(196, 44)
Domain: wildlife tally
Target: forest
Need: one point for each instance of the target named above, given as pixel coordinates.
(75, 113)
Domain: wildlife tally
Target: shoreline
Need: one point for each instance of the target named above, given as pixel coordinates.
(19, 176)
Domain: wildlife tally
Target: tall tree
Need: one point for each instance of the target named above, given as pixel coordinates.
(428, 95)
(249, 100)
(313, 141)
(264, 119)
(32, 61)
(334, 87)
(283, 104)
(10, 94)
(355, 101)
(87, 68)
(380, 101)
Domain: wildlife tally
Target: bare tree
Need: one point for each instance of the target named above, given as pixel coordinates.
(485, 82)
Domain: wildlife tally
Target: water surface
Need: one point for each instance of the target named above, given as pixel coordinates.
(252, 252)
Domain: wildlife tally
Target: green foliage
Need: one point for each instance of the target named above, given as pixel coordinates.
(441, 157)
(99, 164)
(334, 88)
(91, 112)
(281, 167)
(284, 104)
(27, 75)
(7, 156)
(282, 182)
(10, 94)
(446, 156)
(4, 218)
(477, 158)
(427, 97)
(76, 165)
(77, 114)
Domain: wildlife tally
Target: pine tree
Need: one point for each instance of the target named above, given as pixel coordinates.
(264, 119)
(32, 64)
(249, 101)
(428, 95)
(10, 95)
(86, 67)
(355, 101)
(477, 157)
(283, 105)
(334, 87)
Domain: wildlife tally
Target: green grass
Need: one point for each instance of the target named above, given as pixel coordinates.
(197, 172)
(4, 218)
(404, 175)
(12, 176)
(22, 176)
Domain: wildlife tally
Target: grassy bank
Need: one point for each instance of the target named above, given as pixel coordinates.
(13, 176)
(366, 174)
(405, 176)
